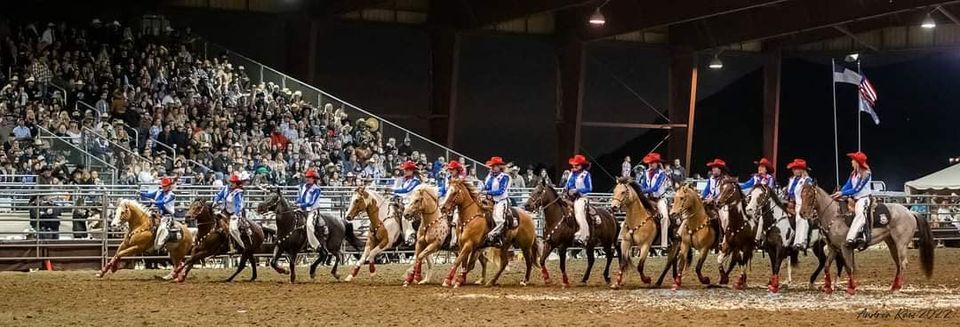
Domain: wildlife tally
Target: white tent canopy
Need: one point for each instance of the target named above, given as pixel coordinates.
(946, 179)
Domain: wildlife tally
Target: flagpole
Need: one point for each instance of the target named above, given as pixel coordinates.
(859, 120)
(836, 145)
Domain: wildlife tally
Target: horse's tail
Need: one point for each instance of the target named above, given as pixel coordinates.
(794, 259)
(351, 238)
(269, 232)
(535, 252)
(926, 246)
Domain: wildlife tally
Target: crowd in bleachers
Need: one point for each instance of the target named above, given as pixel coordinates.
(151, 106)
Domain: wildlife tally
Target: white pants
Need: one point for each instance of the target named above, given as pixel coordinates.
(408, 232)
(500, 209)
(664, 221)
(235, 230)
(160, 239)
(311, 230)
(580, 213)
(803, 226)
(859, 218)
(455, 220)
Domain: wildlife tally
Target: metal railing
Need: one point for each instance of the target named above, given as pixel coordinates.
(78, 156)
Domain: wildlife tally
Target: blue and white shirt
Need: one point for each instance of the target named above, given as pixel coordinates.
(580, 181)
(496, 186)
(442, 185)
(404, 186)
(858, 185)
(232, 198)
(654, 182)
(308, 196)
(796, 184)
(713, 188)
(758, 179)
(162, 200)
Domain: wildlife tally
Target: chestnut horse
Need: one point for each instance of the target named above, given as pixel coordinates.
(897, 234)
(213, 237)
(739, 233)
(473, 229)
(639, 227)
(140, 237)
(697, 231)
(433, 234)
(559, 228)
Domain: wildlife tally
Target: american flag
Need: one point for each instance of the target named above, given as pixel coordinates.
(868, 99)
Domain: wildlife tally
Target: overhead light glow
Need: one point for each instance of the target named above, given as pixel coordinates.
(928, 22)
(715, 63)
(597, 18)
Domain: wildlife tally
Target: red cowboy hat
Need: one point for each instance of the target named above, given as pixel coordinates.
(235, 178)
(310, 173)
(764, 162)
(577, 160)
(495, 161)
(717, 163)
(408, 165)
(797, 164)
(166, 181)
(651, 157)
(454, 165)
(860, 158)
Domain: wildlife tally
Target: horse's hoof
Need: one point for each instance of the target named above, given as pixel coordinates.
(479, 282)
(675, 286)
(826, 290)
(547, 281)
(349, 278)
(724, 280)
(705, 280)
(646, 279)
(615, 286)
(565, 285)
(773, 288)
(99, 275)
(851, 291)
(406, 283)
(336, 276)
(446, 283)
(523, 283)
(373, 274)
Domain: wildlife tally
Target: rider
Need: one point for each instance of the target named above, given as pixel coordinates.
(654, 184)
(163, 203)
(858, 187)
(496, 186)
(718, 171)
(763, 176)
(578, 185)
(307, 198)
(795, 185)
(453, 170)
(401, 189)
(232, 198)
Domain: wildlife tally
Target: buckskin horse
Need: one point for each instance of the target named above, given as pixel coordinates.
(213, 238)
(639, 227)
(739, 233)
(384, 233)
(697, 231)
(141, 228)
(433, 234)
(898, 232)
(559, 226)
(473, 229)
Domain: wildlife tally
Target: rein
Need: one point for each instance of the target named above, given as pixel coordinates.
(563, 218)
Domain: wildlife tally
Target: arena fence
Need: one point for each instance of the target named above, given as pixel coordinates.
(68, 226)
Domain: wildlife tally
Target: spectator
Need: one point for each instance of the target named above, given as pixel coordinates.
(21, 132)
(625, 167)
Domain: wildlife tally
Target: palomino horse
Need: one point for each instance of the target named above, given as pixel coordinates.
(384, 233)
(473, 231)
(559, 228)
(739, 232)
(292, 236)
(696, 231)
(433, 234)
(213, 237)
(140, 236)
(639, 227)
(897, 234)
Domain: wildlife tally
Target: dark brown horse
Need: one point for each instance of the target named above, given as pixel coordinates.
(559, 228)
(213, 237)
(739, 232)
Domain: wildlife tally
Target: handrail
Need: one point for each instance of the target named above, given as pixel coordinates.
(382, 120)
(136, 133)
(172, 149)
(128, 151)
(63, 91)
(52, 135)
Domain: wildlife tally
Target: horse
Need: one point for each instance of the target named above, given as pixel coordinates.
(897, 234)
(559, 228)
(738, 234)
(292, 236)
(472, 234)
(697, 231)
(773, 231)
(213, 237)
(639, 227)
(384, 233)
(140, 236)
(433, 234)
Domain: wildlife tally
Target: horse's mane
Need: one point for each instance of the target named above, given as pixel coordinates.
(430, 189)
(470, 187)
(132, 203)
(376, 196)
(776, 199)
(643, 201)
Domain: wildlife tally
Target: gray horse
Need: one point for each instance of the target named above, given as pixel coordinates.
(897, 234)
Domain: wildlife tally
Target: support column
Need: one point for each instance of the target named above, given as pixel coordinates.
(444, 74)
(682, 102)
(570, 76)
(771, 104)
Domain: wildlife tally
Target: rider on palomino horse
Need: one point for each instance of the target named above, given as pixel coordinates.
(163, 204)
(858, 187)
(718, 171)
(497, 186)
(797, 182)
(232, 198)
(453, 170)
(401, 189)
(578, 185)
(307, 198)
(654, 184)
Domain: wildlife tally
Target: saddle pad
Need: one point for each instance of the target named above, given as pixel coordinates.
(879, 216)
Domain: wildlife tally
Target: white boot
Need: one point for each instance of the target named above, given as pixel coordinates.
(235, 230)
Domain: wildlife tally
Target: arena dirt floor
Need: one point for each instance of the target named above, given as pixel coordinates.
(135, 298)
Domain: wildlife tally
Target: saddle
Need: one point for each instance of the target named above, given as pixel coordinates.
(878, 215)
